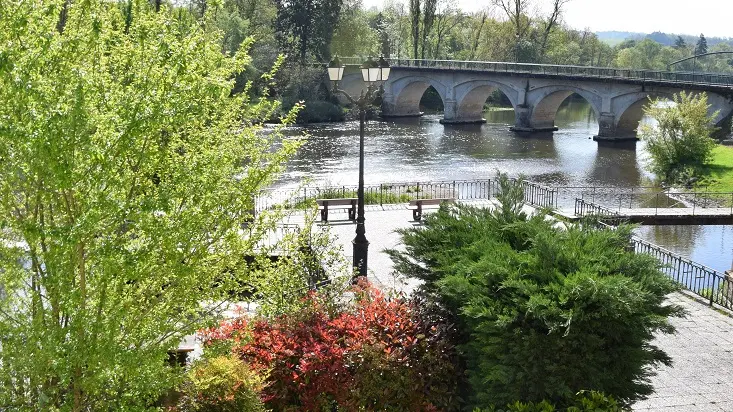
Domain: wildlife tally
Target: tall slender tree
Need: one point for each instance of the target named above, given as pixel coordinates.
(429, 7)
(415, 12)
(680, 43)
(702, 46)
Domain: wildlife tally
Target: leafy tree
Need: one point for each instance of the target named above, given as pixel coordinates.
(128, 170)
(354, 35)
(305, 27)
(680, 143)
(542, 312)
(702, 46)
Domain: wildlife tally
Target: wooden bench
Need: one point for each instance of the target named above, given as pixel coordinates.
(416, 205)
(325, 204)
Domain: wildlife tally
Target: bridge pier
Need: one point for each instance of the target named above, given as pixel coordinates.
(452, 114)
(523, 122)
(390, 109)
(609, 131)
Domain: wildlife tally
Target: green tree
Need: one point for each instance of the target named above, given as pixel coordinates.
(353, 35)
(680, 43)
(128, 170)
(541, 312)
(680, 143)
(702, 46)
(305, 27)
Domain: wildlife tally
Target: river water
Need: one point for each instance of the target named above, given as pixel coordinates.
(422, 149)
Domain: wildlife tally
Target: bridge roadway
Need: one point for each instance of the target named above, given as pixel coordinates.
(535, 91)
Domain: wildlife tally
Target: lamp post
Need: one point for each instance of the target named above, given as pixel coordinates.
(373, 73)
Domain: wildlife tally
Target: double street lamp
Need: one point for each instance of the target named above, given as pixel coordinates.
(374, 75)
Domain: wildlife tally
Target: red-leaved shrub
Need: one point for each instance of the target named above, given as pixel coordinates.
(381, 354)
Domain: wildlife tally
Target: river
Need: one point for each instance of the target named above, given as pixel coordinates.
(422, 149)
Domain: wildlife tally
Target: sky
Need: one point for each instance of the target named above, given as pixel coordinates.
(714, 18)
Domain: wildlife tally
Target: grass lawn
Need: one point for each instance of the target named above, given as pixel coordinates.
(719, 172)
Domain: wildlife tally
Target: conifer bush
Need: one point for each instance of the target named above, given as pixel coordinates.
(542, 312)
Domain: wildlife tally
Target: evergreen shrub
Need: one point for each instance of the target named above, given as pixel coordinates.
(542, 312)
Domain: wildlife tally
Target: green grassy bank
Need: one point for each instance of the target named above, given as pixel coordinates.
(718, 175)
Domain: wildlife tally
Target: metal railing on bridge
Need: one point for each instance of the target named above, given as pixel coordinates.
(706, 79)
(585, 209)
(655, 201)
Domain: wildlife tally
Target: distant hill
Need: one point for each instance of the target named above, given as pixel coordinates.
(667, 39)
(615, 37)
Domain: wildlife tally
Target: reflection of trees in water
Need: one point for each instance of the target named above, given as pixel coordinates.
(615, 166)
(503, 115)
(575, 109)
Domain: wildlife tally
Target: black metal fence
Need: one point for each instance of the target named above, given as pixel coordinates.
(708, 283)
(584, 209)
(539, 195)
(385, 193)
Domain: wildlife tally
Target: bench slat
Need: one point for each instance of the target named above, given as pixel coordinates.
(431, 201)
(337, 202)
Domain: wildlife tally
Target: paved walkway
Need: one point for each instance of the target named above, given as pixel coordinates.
(701, 378)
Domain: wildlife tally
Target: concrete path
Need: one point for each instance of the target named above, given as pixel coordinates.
(701, 378)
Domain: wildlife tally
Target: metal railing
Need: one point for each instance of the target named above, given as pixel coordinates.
(701, 280)
(706, 79)
(385, 193)
(585, 209)
(539, 195)
(695, 202)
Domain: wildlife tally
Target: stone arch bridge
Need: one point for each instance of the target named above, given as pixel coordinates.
(617, 96)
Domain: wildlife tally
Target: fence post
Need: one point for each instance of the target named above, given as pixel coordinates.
(712, 292)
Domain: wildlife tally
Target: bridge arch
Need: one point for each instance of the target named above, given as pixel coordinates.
(471, 97)
(406, 93)
(629, 110)
(545, 102)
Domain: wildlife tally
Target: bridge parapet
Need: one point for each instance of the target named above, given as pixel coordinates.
(666, 77)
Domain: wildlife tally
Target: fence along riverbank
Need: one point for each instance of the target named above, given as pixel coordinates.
(715, 287)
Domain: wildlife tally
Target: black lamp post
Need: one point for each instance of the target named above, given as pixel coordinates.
(373, 73)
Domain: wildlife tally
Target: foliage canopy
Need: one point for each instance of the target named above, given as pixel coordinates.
(127, 168)
(680, 143)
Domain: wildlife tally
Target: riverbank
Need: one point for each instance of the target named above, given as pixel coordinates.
(718, 175)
